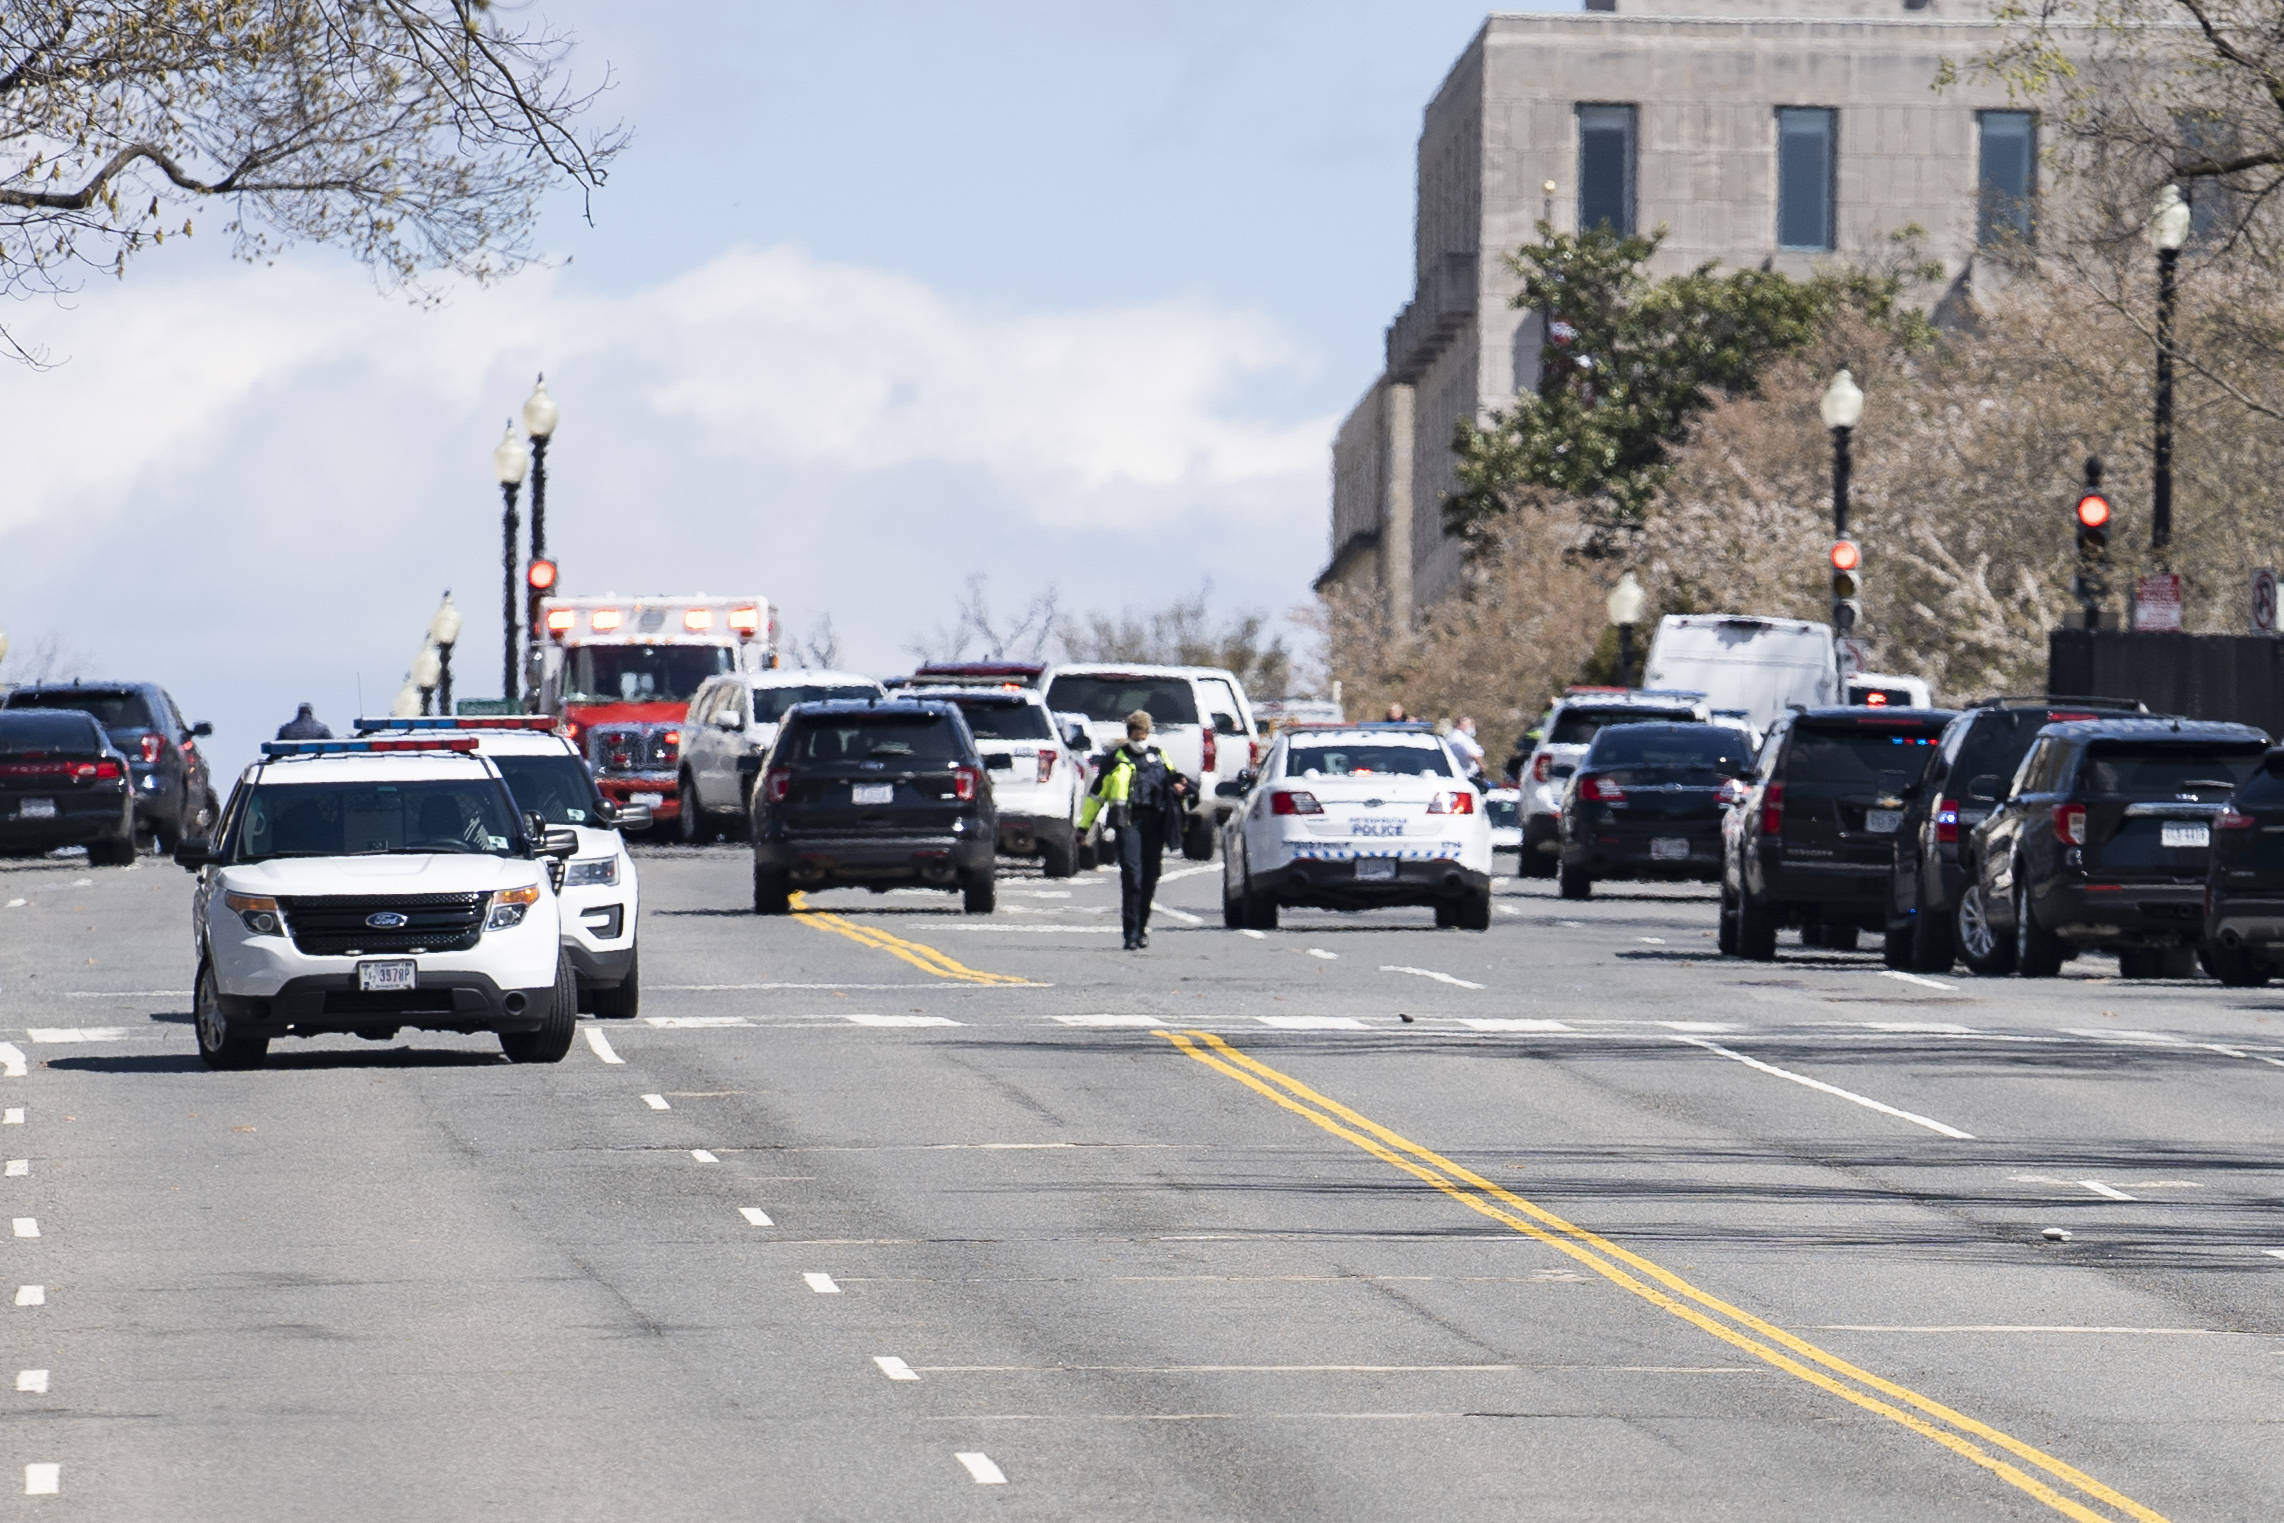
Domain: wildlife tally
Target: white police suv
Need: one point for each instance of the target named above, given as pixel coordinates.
(1355, 817)
(601, 899)
(367, 885)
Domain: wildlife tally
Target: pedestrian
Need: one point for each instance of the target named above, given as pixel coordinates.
(1396, 714)
(1466, 747)
(305, 725)
(1144, 797)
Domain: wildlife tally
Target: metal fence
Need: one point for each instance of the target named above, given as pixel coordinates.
(2234, 677)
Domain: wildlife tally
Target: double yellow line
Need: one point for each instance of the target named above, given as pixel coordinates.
(1977, 1442)
(926, 958)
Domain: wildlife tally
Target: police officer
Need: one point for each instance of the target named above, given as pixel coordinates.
(1144, 797)
(305, 725)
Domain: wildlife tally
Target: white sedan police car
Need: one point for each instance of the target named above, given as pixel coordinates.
(363, 886)
(1357, 817)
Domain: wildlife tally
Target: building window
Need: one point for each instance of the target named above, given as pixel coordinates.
(1805, 139)
(2213, 209)
(2008, 179)
(1606, 169)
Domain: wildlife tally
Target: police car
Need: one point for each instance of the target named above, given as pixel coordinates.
(367, 885)
(601, 899)
(1356, 817)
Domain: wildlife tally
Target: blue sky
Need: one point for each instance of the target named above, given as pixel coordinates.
(881, 296)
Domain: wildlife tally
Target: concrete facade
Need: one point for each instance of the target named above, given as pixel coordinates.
(1706, 80)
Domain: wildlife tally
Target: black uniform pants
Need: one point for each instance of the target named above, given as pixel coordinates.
(1141, 850)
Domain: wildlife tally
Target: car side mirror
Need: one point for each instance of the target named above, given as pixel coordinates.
(1911, 791)
(193, 853)
(201, 730)
(728, 720)
(558, 841)
(631, 817)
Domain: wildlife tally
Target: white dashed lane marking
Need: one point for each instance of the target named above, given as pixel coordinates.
(656, 1102)
(1506, 1023)
(1914, 978)
(27, 1226)
(31, 1295)
(822, 1284)
(43, 1480)
(602, 1045)
(1321, 952)
(1312, 1022)
(1441, 978)
(902, 1020)
(11, 1061)
(703, 1156)
(893, 1367)
(1830, 1089)
(755, 1216)
(13, 1117)
(980, 1467)
(19, 1167)
(52, 1034)
(35, 1381)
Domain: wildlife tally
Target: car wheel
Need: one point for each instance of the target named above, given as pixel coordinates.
(1981, 947)
(1056, 857)
(218, 1046)
(979, 894)
(1474, 912)
(695, 830)
(772, 891)
(1725, 934)
(1756, 928)
(624, 1002)
(1895, 947)
(1232, 909)
(1931, 949)
(553, 1038)
(1260, 909)
(2037, 951)
(1837, 938)
(1576, 884)
(1197, 838)
(1087, 856)
(2235, 967)
(113, 851)
(1446, 914)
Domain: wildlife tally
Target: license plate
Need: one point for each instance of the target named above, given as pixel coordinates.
(1376, 869)
(647, 800)
(2185, 835)
(872, 793)
(35, 809)
(1882, 822)
(385, 977)
(1378, 827)
(1669, 849)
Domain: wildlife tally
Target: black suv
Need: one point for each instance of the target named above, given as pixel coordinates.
(63, 783)
(878, 794)
(2103, 843)
(1811, 842)
(1646, 802)
(2244, 889)
(1973, 763)
(174, 799)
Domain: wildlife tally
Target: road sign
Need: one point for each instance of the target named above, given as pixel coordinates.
(2157, 601)
(1851, 657)
(2264, 600)
(487, 706)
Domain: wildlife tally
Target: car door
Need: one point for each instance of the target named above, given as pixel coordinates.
(725, 738)
(1999, 839)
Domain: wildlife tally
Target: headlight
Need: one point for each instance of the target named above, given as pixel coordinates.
(508, 906)
(592, 870)
(260, 915)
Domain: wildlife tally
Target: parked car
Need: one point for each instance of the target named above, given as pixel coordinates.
(174, 796)
(1503, 812)
(1202, 724)
(1763, 667)
(2103, 843)
(1646, 802)
(1037, 780)
(1810, 841)
(63, 783)
(878, 795)
(2244, 883)
(732, 720)
(1563, 736)
(1973, 762)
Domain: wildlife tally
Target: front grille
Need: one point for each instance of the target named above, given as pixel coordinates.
(631, 748)
(332, 926)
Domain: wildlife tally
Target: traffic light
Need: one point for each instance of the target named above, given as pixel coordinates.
(541, 575)
(1847, 585)
(2092, 516)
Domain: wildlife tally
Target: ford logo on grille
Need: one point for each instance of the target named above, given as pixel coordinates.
(387, 920)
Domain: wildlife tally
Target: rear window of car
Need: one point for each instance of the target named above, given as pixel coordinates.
(835, 740)
(1167, 700)
(112, 708)
(49, 731)
(2263, 787)
(770, 703)
(2128, 769)
(1876, 758)
(1366, 761)
(1714, 748)
(996, 719)
(1997, 741)
(1577, 727)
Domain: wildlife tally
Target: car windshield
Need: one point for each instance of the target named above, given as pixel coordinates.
(642, 673)
(997, 719)
(770, 703)
(113, 709)
(557, 788)
(442, 815)
(1366, 760)
(1576, 727)
(1862, 758)
(2210, 772)
(1109, 700)
(1502, 813)
(873, 737)
(1681, 748)
(47, 730)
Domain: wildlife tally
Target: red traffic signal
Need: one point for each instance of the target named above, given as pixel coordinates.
(541, 575)
(1845, 555)
(2094, 511)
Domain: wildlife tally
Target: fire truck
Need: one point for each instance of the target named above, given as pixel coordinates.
(619, 672)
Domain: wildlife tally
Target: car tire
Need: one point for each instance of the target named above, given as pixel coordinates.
(1895, 947)
(695, 830)
(1056, 857)
(979, 892)
(1260, 909)
(1756, 928)
(2137, 962)
(1981, 947)
(1725, 932)
(218, 1046)
(1473, 913)
(1087, 856)
(1576, 883)
(624, 1001)
(1197, 838)
(2038, 952)
(1837, 938)
(1232, 909)
(2176, 962)
(1931, 948)
(2235, 967)
(552, 1040)
(113, 851)
(1446, 914)
(772, 891)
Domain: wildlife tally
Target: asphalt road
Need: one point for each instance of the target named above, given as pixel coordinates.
(888, 1212)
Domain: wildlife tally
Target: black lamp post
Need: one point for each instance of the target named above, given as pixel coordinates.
(539, 413)
(1625, 606)
(1842, 409)
(509, 461)
(444, 633)
(2168, 230)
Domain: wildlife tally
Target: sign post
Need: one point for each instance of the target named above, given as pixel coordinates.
(2264, 600)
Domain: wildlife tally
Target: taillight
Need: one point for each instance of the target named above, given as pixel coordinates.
(776, 783)
(963, 782)
(2232, 818)
(1211, 750)
(1540, 767)
(1946, 821)
(154, 746)
(107, 771)
(1294, 801)
(1046, 765)
(1462, 802)
(2070, 824)
(1600, 790)
(1772, 809)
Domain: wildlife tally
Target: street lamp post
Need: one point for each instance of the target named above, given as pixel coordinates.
(2168, 230)
(539, 413)
(509, 461)
(1625, 606)
(1842, 409)
(427, 671)
(444, 633)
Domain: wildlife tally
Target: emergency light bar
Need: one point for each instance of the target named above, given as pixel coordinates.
(275, 748)
(460, 722)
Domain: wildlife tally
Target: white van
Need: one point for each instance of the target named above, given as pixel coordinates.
(1740, 662)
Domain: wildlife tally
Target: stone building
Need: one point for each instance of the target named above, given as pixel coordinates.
(1768, 133)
